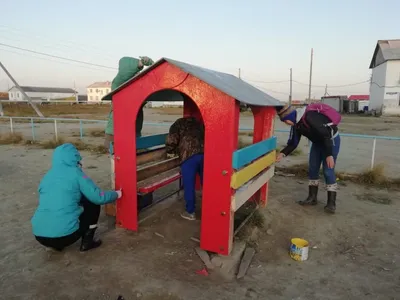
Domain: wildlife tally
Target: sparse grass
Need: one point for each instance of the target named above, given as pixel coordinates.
(257, 219)
(374, 177)
(97, 133)
(25, 110)
(11, 138)
(243, 144)
(51, 144)
(245, 133)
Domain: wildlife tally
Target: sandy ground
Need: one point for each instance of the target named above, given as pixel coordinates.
(355, 155)
(354, 254)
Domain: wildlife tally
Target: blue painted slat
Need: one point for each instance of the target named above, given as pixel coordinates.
(246, 155)
(145, 142)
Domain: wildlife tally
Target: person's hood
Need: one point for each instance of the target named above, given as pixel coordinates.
(128, 67)
(66, 155)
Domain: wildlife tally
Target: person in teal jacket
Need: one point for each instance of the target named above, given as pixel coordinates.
(128, 67)
(69, 203)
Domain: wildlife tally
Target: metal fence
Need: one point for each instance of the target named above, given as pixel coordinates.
(358, 152)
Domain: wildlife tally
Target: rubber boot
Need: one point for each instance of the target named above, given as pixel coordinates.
(88, 241)
(312, 196)
(331, 203)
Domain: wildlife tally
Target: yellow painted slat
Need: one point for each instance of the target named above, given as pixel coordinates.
(244, 175)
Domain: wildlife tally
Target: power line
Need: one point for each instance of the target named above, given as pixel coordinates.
(56, 61)
(270, 91)
(58, 57)
(332, 86)
(261, 81)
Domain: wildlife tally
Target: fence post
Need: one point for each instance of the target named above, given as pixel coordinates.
(55, 130)
(373, 154)
(81, 129)
(33, 129)
(11, 125)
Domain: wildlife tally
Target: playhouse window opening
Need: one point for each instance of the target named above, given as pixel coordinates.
(246, 126)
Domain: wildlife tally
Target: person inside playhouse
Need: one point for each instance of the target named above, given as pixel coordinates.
(319, 123)
(186, 140)
(69, 203)
(128, 67)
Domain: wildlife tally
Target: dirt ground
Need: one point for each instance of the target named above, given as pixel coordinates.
(354, 254)
(355, 153)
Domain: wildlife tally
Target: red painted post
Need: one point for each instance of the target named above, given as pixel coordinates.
(221, 122)
(263, 129)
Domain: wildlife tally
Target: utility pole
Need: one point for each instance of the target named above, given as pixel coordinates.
(22, 91)
(239, 74)
(290, 94)
(326, 90)
(309, 84)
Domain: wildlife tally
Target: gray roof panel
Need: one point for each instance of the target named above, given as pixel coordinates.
(227, 83)
(37, 89)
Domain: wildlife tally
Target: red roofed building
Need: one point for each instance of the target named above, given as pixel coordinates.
(359, 97)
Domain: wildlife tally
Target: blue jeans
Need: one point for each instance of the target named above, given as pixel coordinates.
(318, 156)
(190, 168)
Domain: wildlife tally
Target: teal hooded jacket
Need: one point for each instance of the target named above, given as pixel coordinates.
(128, 67)
(60, 192)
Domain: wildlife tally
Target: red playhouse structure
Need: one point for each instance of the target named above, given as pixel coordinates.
(231, 176)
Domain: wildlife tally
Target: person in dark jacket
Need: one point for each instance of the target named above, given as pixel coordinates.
(186, 140)
(69, 203)
(325, 148)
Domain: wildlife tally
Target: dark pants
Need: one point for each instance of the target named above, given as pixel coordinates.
(90, 216)
(190, 168)
(318, 156)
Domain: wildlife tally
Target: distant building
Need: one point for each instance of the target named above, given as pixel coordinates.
(363, 101)
(98, 90)
(335, 101)
(41, 93)
(385, 81)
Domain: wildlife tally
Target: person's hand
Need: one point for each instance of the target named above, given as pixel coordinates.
(119, 193)
(279, 157)
(147, 61)
(330, 162)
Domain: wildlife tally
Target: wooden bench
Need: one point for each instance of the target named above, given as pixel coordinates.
(152, 174)
(156, 182)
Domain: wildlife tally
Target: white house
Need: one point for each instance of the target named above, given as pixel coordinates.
(385, 81)
(98, 90)
(41, 93)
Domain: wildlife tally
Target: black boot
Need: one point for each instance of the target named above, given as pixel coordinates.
(312, 196)
(331, 204)
(88, 241)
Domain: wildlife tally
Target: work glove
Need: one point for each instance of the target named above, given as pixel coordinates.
(147, 61)
(119, 193)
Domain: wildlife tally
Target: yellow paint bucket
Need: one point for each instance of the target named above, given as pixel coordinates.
(299, 249)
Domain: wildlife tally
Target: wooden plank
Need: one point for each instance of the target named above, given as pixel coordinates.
(157, 168)
(249, 189)
(152, 155)
(150, 184)
(245, 262)
(204, 257)
(109, 208)
(151, 141)
(244, 175)
(246, 155)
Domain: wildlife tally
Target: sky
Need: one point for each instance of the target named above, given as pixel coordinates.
(262, 38)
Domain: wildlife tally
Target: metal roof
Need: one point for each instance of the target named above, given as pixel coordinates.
(385, 50)
(37, 89)
(227, 83)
